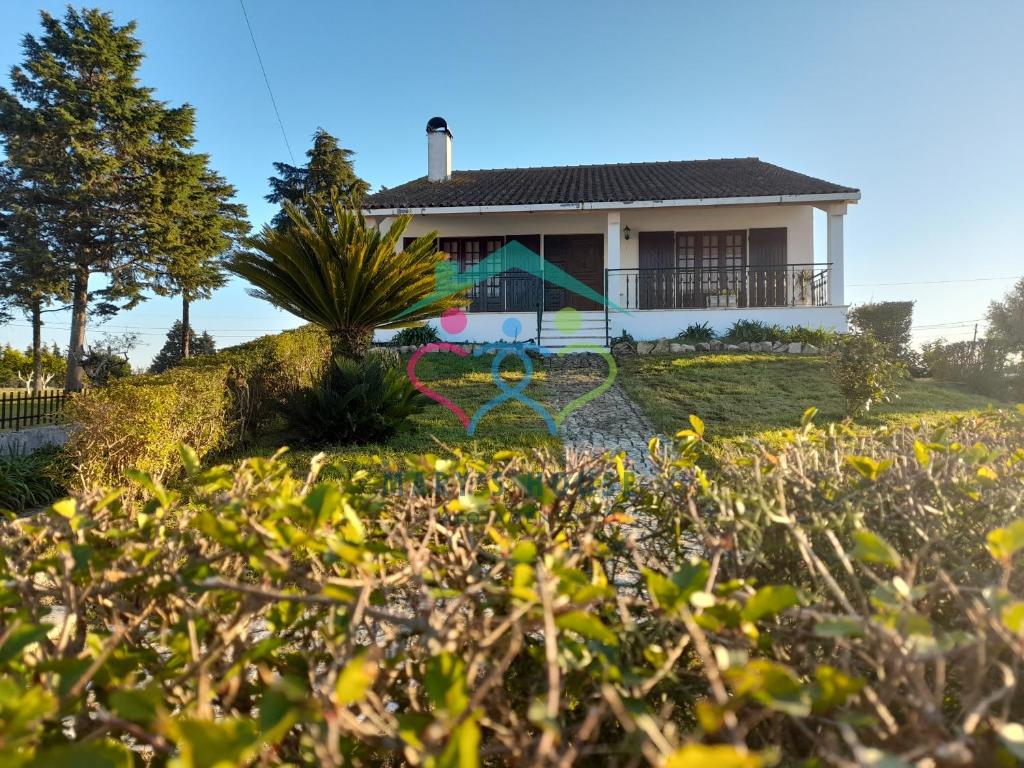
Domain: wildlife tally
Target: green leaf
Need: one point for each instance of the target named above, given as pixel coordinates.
(872, 548)
(838, 627)
(189, 459)
(718, 756)
(868, 467)
(103, 754)
(1012, 615)
(209, 744)
(832, 688)
(698, 425)
(772, 685)
(1003, 543)
(354, 680)
(20, 638)
(463, 749)
(808, 416)
(524, 552)
(137, 705)
(921, 451)
(445, 683)
(769, 601)
(587, 625)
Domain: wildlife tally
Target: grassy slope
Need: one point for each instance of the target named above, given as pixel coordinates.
(737, 394)
(468, 383)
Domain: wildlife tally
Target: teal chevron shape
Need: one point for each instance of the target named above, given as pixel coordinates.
(514, 255)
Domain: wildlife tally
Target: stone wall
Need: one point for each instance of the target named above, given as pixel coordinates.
(669, 347)
(34, 438)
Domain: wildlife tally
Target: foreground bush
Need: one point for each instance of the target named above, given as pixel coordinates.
(848, 600)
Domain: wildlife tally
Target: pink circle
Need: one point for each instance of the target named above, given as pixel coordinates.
(453, 320)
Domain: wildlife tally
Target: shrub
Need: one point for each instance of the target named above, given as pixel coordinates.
(137, 424)
(982, 366)
(819, 337)
(848, 599)
(360, 402)
(887, 321)
(696, 332)
(415, 336)
(749, 330)
(29, 480)
(265, 373)
(388, 357)
(864, 371)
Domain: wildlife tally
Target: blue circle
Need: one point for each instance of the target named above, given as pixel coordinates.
(511, 328)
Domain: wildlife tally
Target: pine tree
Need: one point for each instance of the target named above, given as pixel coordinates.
(327, 174)
(171, 352)
(87, 140)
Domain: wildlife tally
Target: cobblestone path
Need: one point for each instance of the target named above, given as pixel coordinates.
(610, 422)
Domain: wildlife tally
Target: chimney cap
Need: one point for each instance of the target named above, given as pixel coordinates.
(438, 125)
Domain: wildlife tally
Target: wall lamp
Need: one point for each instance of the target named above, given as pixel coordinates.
(626, 232)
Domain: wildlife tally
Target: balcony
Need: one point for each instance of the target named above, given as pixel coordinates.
(786, 285)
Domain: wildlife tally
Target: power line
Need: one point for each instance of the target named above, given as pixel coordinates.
(936, 282)
(266, 80)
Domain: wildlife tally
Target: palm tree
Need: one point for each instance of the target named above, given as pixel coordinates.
(343, 276)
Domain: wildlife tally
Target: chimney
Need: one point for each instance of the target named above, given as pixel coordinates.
(439, 150)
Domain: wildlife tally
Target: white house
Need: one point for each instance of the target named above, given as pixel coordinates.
(667, 243)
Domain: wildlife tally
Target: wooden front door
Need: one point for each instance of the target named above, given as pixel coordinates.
(767, 277)
(582, 257)
(656, 283)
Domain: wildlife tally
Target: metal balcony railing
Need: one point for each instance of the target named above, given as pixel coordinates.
(787, 285)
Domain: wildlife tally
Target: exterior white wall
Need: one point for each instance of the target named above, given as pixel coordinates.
(798, 219)
(482, 326)
(650, 324)
(642, 324)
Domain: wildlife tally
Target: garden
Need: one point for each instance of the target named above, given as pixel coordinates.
(284, 553)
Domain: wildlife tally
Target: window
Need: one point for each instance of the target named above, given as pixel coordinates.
(715, 261)
(469, 252)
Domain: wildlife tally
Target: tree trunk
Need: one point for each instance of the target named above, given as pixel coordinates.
(186, 350)
(352, 343)
(76, 346)
(37, 345)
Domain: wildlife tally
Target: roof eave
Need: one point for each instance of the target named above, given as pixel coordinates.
(827, 197)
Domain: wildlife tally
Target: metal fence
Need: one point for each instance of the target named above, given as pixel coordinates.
(20, 409)
(785, 285)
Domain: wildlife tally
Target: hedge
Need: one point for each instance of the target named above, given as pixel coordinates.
(137, 423)
(849, 599)
(266, 370)
(211, 403)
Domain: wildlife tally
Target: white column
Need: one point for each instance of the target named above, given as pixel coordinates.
(613, 258)
(835, 254)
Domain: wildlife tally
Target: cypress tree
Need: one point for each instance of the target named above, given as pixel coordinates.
(88, 141)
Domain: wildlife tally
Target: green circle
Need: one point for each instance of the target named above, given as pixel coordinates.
(568, 320)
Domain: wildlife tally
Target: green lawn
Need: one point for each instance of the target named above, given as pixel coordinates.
(738, 394)
(467, 382)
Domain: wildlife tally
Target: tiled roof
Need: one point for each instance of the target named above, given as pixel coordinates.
(625, 182)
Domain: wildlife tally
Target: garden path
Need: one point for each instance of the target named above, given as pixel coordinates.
(610, 422)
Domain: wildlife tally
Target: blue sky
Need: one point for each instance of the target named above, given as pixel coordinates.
(916, 103)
